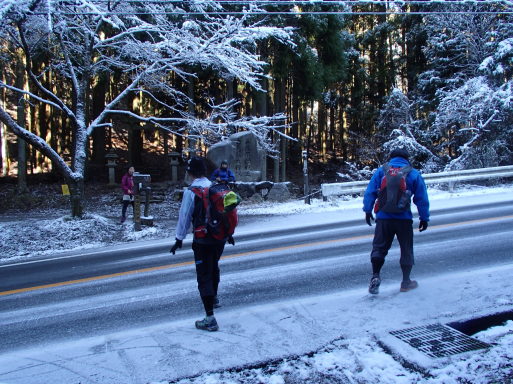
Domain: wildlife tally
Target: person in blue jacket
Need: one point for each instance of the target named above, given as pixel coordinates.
(223, 174)
(400, 224)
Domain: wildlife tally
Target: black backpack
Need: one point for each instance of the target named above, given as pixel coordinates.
(394, 195)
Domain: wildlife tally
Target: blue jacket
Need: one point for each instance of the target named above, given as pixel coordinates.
(414, 182)
(223, 174)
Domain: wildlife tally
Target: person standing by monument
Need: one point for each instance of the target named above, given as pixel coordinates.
(127, 185)
(223, 174)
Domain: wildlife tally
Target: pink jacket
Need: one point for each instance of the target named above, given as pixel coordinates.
(127, 184)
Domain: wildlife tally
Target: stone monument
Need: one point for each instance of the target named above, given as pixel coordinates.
(246, 160)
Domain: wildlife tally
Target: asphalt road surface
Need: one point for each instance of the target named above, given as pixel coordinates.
(98, 292)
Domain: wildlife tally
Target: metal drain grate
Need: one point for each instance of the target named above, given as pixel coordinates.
(437, 340)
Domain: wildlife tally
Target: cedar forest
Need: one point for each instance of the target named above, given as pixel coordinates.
(344, 80)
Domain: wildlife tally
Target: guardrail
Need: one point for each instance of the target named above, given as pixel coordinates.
(451, 177)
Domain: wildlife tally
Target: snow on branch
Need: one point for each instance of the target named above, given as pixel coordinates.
(86, 40)
(478, 114)
(30, 94)
(39, 143)
(222, 121)
(211, 132)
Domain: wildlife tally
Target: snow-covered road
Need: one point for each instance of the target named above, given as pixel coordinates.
(344, 330)
(320, 305)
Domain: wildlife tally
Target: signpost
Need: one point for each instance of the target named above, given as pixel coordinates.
(141, 185)
(305, 177)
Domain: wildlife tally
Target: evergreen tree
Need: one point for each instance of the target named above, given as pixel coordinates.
(395, 128)
(456, 46)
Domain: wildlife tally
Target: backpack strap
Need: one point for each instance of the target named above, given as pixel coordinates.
(201, 214)
(199, 191)
(406, 170)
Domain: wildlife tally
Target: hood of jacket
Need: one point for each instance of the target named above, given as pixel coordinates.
(398, 162)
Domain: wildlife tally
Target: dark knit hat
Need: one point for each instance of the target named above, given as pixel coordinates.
(400, 152)
(196, 166)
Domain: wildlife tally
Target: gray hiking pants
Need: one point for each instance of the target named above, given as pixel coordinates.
(386, 230)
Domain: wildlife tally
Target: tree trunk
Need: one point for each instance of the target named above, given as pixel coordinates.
(191, 110)
(3, 150)
(341, 133)
(165, 141)
(260, 99)
(230, 89)
(321, 130)
(99, 140)
(280, 106)
(76, 188)
(53, 122)
(135, 143)
(3, 138)
(283, 159)
(294, 131)
(332, 134)
(276, 160)
(22, 150)
(21, 120)
(81, 143)
(303, 120)
(277, 108)
(382, 65)
(293, 156)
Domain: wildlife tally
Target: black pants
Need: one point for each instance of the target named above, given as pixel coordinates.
(206, 257)
(126, 203)
(386, 230)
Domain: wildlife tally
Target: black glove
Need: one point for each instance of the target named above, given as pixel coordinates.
(231, 240)
(423, 225)
(178, 244)
(368, 218)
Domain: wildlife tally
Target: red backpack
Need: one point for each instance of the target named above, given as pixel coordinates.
(215, 212)
(393, 195)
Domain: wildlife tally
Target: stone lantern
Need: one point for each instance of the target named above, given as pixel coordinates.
(174, 161)
(112, 162)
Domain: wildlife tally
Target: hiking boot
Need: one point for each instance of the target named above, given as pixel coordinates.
(217, 304)
(408, 285)
(374, 285)
(209, 323)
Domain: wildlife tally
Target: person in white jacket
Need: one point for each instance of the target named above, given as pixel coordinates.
(207, 251)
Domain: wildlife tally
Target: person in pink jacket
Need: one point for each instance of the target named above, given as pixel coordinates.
(127, 185)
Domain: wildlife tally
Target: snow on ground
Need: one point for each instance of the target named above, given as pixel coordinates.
(37, 237)
(333, 338)
(31, 237)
